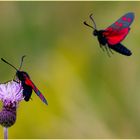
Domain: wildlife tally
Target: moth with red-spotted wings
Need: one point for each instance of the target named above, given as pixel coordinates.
(111, 37)
(27, 83)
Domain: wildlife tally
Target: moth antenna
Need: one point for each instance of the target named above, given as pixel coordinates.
(9, 64)
(21, 61)
(88, 25)
(93, 21)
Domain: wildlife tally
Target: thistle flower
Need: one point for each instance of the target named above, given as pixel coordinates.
(10, 94)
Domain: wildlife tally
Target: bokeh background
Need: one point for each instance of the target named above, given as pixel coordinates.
(90, 95)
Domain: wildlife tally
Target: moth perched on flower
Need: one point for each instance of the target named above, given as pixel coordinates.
(12, 92)
(26, 82)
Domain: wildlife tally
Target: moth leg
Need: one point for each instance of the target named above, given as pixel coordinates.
(101, 47)
(16, 79)
(106, 47)
(110, 50)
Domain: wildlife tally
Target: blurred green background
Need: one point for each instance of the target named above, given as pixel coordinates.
(90, 95)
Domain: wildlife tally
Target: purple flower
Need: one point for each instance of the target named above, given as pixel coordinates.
(11, 93)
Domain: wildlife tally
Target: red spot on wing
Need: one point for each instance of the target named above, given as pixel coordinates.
(115, 36)
(126, 19)
(42, 97)
(118, 24)
(29, 82)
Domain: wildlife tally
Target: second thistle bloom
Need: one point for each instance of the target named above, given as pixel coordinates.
(11, 93)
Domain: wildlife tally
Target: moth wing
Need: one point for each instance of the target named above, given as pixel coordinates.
(36, 90)
(119, 29)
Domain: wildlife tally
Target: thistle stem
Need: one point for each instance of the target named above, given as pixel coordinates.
(5, 133)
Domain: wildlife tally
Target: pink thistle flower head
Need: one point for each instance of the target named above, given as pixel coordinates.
(11, 93)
